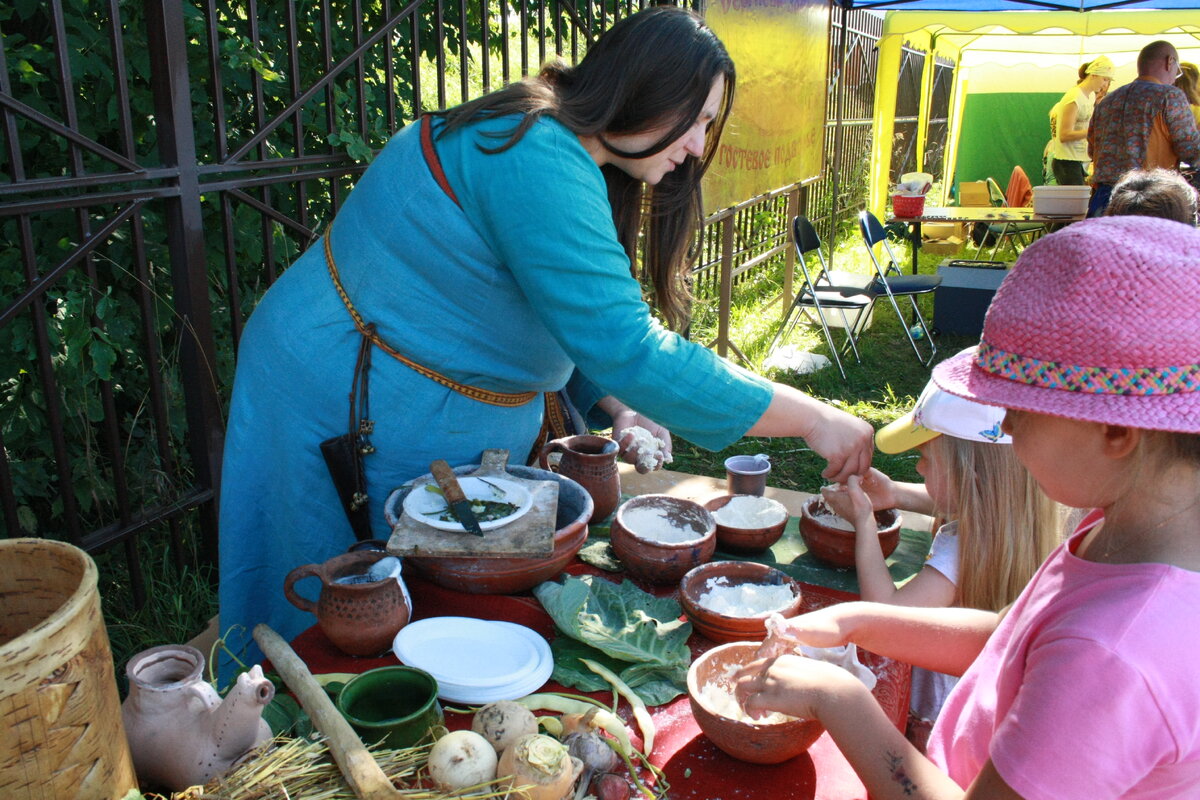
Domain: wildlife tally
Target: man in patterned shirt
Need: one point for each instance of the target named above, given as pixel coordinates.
(1142, 125)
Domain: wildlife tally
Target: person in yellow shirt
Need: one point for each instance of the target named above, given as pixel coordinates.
(1189, 82)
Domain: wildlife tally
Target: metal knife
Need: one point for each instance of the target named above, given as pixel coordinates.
(459, 505)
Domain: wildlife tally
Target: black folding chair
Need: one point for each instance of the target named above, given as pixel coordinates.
(821, 291)
(892, 281)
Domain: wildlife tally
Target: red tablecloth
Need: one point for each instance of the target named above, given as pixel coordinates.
(680, 749)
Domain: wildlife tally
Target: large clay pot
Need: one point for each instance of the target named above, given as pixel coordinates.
(181, 732)
(590, 461)
(755, 742)
(361, 619)
(517, 574)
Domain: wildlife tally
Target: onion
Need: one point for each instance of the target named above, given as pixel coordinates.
(461, 759)
(503, 722)
(612, 787)
(596, 755)
(539, 767)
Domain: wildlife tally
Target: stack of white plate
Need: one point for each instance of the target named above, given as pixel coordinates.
(475, 660)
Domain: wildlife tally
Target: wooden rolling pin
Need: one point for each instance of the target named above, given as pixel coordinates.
(358, 767)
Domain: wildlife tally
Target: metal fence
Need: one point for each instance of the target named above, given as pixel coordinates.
(163, 162)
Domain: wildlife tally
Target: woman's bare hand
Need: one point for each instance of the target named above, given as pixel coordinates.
(844, 440)
(644, 455)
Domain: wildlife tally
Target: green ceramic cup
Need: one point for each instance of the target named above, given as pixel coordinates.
(395, 705)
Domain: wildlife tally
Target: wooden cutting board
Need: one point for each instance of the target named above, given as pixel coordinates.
(530, 535)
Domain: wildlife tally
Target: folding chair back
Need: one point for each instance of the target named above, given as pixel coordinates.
(819, 293)
(894, 283)
(995, 193)
(1012, 233)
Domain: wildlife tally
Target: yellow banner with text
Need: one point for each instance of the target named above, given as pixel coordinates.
(775, 135)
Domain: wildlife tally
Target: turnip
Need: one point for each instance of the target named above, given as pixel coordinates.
(503, 722)
(539, 767)
(461, 759)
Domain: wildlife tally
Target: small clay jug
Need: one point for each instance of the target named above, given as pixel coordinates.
(361, 619)
(590, 461)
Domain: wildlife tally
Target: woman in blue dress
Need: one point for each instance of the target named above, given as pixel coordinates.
(486, 254)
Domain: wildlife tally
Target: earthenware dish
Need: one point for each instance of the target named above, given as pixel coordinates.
(513, 575)
(652, 559)
(718, 627)
(835, 545)
(757, 743)
(746, 540)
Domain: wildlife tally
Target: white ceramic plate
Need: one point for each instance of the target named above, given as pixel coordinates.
(472, 695)
(468, 653)
(425, 506)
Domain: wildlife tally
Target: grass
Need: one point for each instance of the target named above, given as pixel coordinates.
(881, 388)
(179, 603)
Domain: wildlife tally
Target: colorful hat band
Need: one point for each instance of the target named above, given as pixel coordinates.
(1091, 380)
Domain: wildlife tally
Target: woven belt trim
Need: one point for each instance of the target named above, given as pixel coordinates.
(1089, 380)
(475, 393)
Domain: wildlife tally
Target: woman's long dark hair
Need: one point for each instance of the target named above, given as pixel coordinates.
(651, 70)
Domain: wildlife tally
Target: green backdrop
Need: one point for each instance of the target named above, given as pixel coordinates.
(1000, 131)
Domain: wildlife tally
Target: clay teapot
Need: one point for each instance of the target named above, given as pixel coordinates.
(590, 461)
(181, 733)
(360, 618)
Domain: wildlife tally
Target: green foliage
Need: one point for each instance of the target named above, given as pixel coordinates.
(180, 601)
(105, 362)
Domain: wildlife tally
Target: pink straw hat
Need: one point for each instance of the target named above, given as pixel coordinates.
(1099, 322)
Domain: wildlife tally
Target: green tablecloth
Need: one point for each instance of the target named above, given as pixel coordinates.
(791, 556)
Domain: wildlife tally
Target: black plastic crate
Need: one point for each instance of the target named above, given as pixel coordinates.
(961, 301)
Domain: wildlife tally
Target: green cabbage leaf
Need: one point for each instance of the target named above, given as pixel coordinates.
(635, 634)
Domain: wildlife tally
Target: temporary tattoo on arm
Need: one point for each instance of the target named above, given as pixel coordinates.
(896, 766)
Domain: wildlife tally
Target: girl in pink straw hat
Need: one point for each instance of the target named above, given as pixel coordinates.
(1086, 686)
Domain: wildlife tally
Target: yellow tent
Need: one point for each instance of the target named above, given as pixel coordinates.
(1008, 53)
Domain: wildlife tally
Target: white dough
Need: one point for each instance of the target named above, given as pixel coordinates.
(649, 447)
(747, 511)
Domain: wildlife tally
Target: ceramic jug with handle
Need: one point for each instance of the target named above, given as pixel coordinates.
(360, 618)
(181, 733)
(590, 461)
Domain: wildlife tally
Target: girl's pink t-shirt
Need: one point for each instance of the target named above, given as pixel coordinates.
(1089, 687)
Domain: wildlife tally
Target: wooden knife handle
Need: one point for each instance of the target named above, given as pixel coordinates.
(448, 481)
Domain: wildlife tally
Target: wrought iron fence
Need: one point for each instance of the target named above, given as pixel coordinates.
(908, 103)
(163, 162)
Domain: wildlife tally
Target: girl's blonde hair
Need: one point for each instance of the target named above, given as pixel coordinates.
(1006, 523)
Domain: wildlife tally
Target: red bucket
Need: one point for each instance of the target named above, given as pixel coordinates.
(904, 205)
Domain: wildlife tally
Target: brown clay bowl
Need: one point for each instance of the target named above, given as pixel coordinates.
(757, 743)
(513, 575)
(640, 545)
(746, 540)
(718, 627)
(836, 545)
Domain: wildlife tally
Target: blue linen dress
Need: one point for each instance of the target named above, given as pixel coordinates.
(523, 287)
